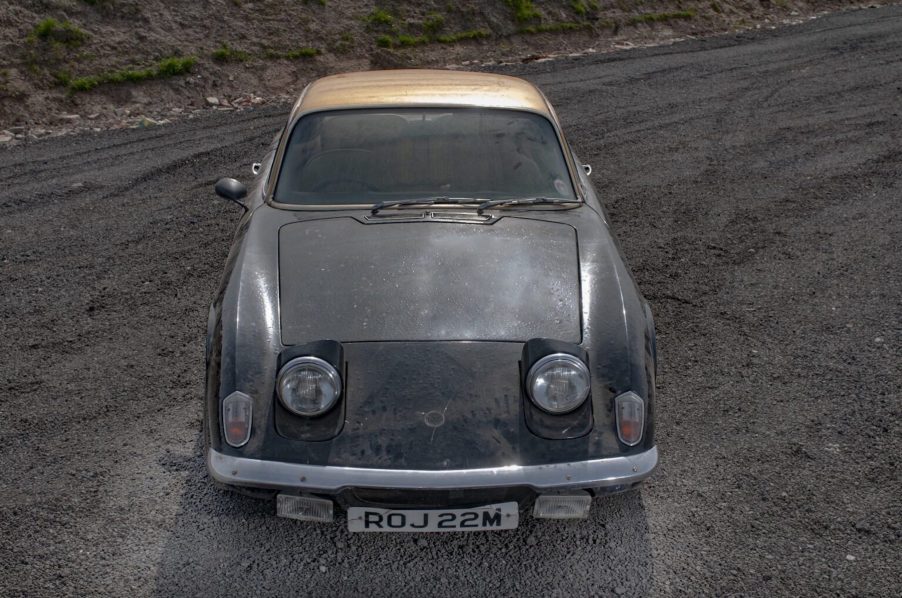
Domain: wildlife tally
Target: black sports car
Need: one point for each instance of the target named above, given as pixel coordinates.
(425, 318)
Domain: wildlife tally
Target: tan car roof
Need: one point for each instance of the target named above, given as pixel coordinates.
(418, 87)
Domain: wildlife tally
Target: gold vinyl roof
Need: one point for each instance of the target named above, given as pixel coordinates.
(421, 87)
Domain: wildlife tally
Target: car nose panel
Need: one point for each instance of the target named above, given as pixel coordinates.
(431, 405)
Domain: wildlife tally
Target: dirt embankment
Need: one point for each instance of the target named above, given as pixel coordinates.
(69, 64)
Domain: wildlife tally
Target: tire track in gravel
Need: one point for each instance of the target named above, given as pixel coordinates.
(115, 160)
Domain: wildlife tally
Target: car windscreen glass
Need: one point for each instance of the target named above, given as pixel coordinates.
(369, 156)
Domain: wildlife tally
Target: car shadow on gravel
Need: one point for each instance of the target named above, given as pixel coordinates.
(222, 543)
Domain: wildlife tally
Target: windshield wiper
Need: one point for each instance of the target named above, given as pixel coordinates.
(483, 203)
(492, 203)
(425, 201)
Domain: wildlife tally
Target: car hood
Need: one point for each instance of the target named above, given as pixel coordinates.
(345, 280)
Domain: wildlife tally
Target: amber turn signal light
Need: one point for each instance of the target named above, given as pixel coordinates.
(237, 413)
(630, 411)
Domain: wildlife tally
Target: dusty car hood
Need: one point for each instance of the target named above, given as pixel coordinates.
(344, 280)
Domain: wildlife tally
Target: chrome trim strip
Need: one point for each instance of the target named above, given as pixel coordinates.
(612, 471)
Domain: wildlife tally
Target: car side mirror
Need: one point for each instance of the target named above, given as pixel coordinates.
(588, 169)
(231, 190)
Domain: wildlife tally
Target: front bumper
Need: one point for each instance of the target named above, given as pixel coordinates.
(319, 479)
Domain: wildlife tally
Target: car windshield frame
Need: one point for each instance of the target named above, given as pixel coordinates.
(575, 187)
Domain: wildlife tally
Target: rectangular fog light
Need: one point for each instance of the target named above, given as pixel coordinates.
(304, 508)
(562, 506)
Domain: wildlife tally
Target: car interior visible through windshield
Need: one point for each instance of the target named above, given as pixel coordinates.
(375, 155)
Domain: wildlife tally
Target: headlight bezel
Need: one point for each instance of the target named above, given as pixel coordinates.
(316, 363)
(558, 359)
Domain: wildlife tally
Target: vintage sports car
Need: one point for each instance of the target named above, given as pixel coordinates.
(425, 319)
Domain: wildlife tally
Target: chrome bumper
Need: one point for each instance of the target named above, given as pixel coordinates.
(613, 471)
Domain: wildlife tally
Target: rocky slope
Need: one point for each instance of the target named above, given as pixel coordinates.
(68, 64)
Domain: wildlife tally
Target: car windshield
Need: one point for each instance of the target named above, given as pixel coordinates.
(370, 156)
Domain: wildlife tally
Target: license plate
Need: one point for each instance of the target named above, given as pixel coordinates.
(491, 517)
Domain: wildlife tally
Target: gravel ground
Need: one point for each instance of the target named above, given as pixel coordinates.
(755, 185)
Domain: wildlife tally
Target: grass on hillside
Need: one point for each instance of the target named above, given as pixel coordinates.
(226, 53)
(583, 7)
(169, 67)
(524, 10)
(380, 17)
(66, 33)
(403, 40)
(292, 54)
(553, 27)
(452, 38)
(433, 23)
(660, 17)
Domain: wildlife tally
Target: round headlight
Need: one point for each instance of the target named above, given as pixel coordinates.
(308, 386)
(558, 383)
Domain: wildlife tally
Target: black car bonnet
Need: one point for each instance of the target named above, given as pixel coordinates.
(512, 280)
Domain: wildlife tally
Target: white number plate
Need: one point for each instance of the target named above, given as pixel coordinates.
(501, 516)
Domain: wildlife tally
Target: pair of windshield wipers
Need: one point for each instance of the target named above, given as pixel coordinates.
(483, 203)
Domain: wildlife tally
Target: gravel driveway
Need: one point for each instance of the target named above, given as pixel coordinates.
(755, 183)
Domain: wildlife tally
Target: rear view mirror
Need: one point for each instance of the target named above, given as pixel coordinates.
(588, 169)
(232, 190)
